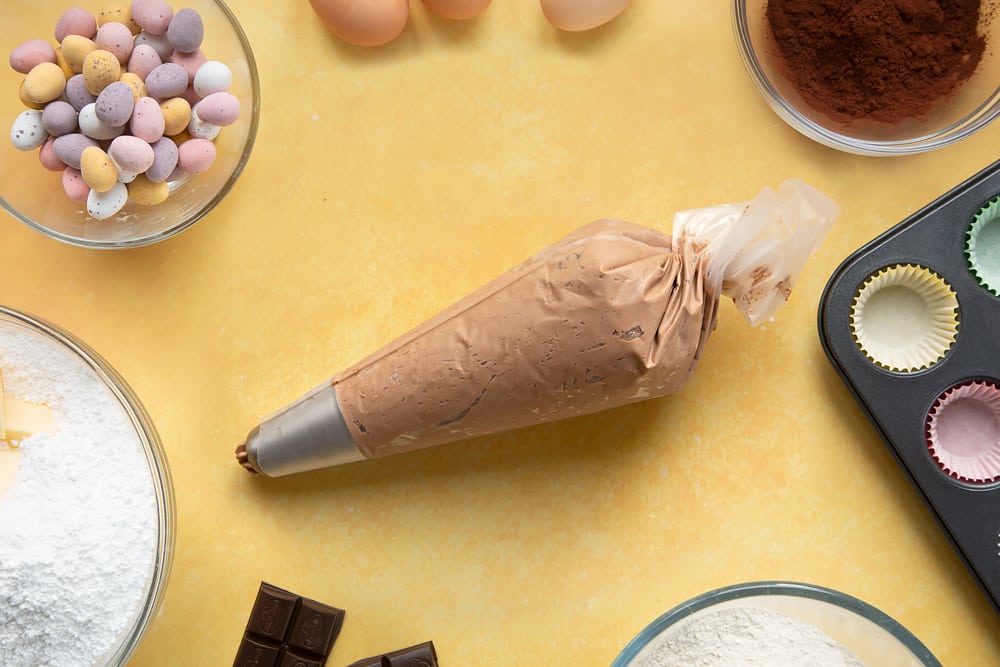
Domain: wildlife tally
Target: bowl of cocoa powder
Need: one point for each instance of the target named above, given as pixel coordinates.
(874, 77)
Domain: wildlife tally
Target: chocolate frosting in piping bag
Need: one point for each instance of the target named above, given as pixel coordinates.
(611, 314)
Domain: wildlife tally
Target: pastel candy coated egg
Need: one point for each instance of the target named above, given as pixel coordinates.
(44, 83)
(33, 52)
(100, 68)
(212, 77)
(131, 154)
(219, 109)
(98, 171)
(114, 104)
(195, 156)
(47, 156)
(27, 133)
(59, 118)
(25, 101)
(579, 15)
(145, 192)
(176, 115)
(94, 127)
(164, 160)
(167, 80)
(63, 65)
(191, 61)
(75, 21)
(158, 43)
(69, 148)
(75, 49)
(457, 9)
(153, 16)
(369, 23)
(116, 38)
(199, 129)
(144, 59)
(147, 120)
(117, 13)
(135, 83)
(76, 92)
(74, 186)
(186, 30)
(103, 205)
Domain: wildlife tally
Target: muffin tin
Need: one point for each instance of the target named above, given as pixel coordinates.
(938, 411)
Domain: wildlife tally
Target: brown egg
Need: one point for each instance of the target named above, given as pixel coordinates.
(457, 9)
(363, 22)
(578, 15)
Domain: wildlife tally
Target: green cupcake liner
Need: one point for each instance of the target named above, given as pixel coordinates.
(982, 246)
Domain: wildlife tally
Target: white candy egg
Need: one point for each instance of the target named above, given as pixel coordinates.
(27, 132)
(212, 77)
(93, 127)
(102, 205)
(200, 129)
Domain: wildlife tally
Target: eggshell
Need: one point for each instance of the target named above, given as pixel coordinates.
(27, 133)
(69, 148)
(369, 23)
(158, 43)
(94, 127)
(100, 68)
(59, 118)
(199, 129)
(135, 83)
(153, 16)
(44, 83)
(176, 115)
(219, 109)
(33, 52)
(75, 49)
(167, 80)
(144, 59)
(212, 77)
(147, 121)
(75, 21)
(191, 61)
(186, 30)
(457, 9)
(579, 15)
(195, 156)
(47, 156)
(131, 154)
(116, 38)
(76, 92)
(74, 186)
(97, 169)
(164, 160)
(103, 205)
(145, 192)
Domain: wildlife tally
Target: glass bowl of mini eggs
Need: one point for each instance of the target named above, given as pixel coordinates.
(128, 122)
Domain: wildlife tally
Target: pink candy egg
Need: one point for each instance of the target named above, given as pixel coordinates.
(76, 21)
(153, 16)
(116, 38)
(219, 109)
(131, 154)
(26, 55)
(144, 59)
(74, 185)
(47, 156)
(147, 120)
(195, 156)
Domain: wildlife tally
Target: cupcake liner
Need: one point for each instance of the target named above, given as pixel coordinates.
(904, 318)
(982, 246)
(963, 432)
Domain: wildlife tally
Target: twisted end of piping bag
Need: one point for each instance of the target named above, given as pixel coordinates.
(757, 249)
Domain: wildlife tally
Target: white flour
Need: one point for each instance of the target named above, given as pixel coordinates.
(746, 637)
(78, 528)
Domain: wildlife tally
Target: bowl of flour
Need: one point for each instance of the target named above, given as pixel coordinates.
(86, 505)
(775, 624)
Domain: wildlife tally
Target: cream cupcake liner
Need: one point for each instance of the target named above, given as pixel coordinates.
(982, 246)
(963, 432)
(904, 318)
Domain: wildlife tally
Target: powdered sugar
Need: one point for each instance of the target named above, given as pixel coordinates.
(78, 529)
(745, 637)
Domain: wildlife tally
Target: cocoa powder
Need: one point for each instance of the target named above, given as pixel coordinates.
(885, 60)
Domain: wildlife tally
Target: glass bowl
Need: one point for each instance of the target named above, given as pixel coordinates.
(56, 341)
(874, 637)
(35, 196)
(972, 107)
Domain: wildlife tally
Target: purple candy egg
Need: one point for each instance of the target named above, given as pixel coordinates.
(69, 148)
(76, 92)
(186, 30)
(164, 160)
(59, 118)
(166, 80)
(114, 104)
(159, 43)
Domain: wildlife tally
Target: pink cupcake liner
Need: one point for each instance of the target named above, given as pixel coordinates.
(963, 432)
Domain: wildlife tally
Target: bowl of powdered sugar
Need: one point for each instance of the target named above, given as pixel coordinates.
(86, 504)
(775, 624)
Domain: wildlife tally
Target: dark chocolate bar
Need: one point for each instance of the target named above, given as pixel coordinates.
(420, 655)
(288, 630)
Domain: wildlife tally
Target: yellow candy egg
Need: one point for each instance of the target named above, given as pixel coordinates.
(100, 68)
(176, 115)
(25, 101)
(97, 169)
(118, 14)
(147, 193)
(134, 82)
(44, 83)
(75, 49)
(63, 64)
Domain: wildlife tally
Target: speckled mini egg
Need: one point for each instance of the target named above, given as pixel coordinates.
(27, 133)
(186, 30)
(94, 127)
(145, 192)
(75, 21)
(100, 68)
(117, 13)
(135, 83)
(44, 83)
(164, 160)
(220, 109)
(200, 129)
(69, 148)
(116, 38)
(144, 59)
(47, 156)
(114, 104)
(76, 92)
(176, 115)
(195, 156)
(153, 16)
(457, 9)
(147, 120)
(131, 154)
(75, 49)
(158, 43)
(30, 53)
(74, 186)
(59, 118)
(103, 205)
(369, 23)
(212, 77)
(97, 169)
(167, 80)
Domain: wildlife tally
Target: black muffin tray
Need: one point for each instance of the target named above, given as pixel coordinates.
(898, 403)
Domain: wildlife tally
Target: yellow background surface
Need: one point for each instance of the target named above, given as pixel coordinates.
(386, 183)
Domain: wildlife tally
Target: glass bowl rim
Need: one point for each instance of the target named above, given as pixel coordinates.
(156, 459)
(178, 227)
(975, 120)
(770, 588)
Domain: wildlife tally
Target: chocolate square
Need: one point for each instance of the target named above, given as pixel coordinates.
(253, 653)
(272, 612)
(315, 627)
(421, 655)
(293, 659)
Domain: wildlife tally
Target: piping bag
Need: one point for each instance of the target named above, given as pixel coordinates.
(611, 314)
